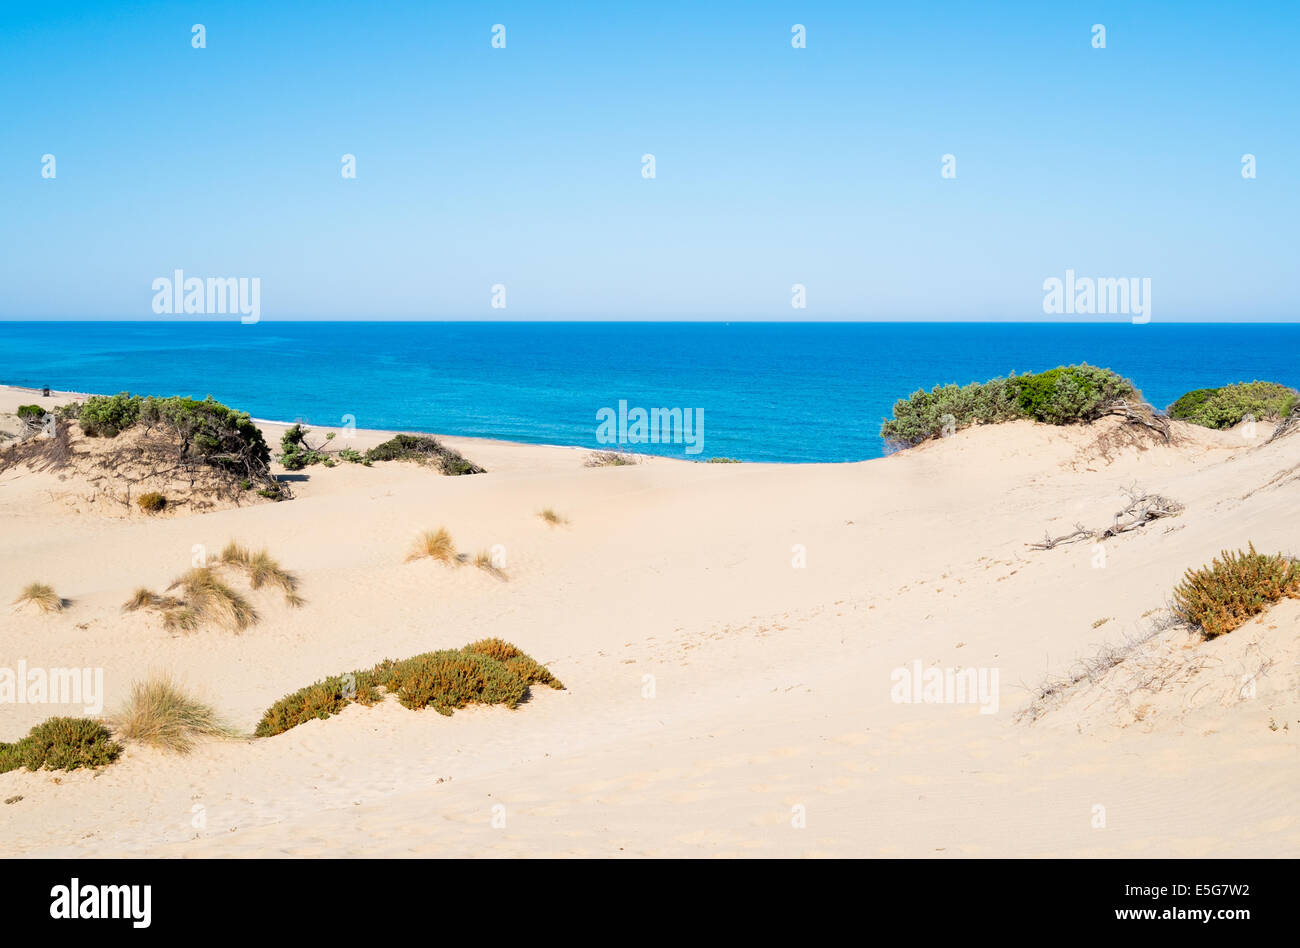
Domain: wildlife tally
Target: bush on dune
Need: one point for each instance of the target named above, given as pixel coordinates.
(451, 679)
(1232, 589)
(205, 432)
(490, 671)
(61, 744)
(424, 450)
(319, 700)
(1228, 406)
(107, 416)
(151, 502)
(1060, 396)
(514, 658)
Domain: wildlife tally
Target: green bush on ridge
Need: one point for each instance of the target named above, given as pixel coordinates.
(1059, 396)
(1228, 405)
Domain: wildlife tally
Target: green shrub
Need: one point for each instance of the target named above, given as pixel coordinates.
(489, 671)
(523, 665)
(209, 431)
(1058, 396)
(1228, 406)
(296, 453)
(61, 744)
(425, 450)
(151, 502)
(30, 413)
(1226, 594)
(319, 700)
(1070, 393)
(451, 679)
(107, 416)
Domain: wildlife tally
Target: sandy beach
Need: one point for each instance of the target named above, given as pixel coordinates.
(730, 637)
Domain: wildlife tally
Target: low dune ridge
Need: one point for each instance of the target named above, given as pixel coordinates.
(732, 639)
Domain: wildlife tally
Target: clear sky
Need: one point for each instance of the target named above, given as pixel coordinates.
(774, 165)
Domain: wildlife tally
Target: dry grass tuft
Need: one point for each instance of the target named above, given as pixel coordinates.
(209, 601)
(483, 560)
(436, 545)
(41, 596)
(161, 714)
(551, 517)
(263, 570)
(148, 599)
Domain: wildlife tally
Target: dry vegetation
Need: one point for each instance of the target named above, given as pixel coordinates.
(159, 713)
(551, 517)
(608, 459)
(1141, 509)
(435, 545)
(41, 596)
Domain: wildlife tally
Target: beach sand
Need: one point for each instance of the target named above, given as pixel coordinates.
(720, 701)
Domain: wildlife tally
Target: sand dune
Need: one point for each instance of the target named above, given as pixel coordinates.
(720, 700)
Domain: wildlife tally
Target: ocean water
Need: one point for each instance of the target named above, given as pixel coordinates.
(792, 392)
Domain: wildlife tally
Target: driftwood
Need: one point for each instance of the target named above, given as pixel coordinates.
(1142, 415)
(1286, 426)
(1142, 508)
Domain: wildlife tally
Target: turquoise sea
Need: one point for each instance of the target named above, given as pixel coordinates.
(791, 392)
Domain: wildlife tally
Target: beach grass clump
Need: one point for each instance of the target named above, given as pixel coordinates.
(1235, 587)
(42, 596)
(424, 450)
(144, 598)
(490, 671)
(262, 570)
(434, 544)
(319, 700)
(551, 517)
(608, 459)
(61, 744)
(152, 502)
(161, 714)
(1229, 405)
(450, 679)
(208, 601)
(1059, 396)
(484, 561)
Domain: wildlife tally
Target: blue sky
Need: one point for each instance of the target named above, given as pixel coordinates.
(774, 165)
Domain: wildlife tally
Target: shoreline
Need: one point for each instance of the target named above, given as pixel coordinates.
(59, 394)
